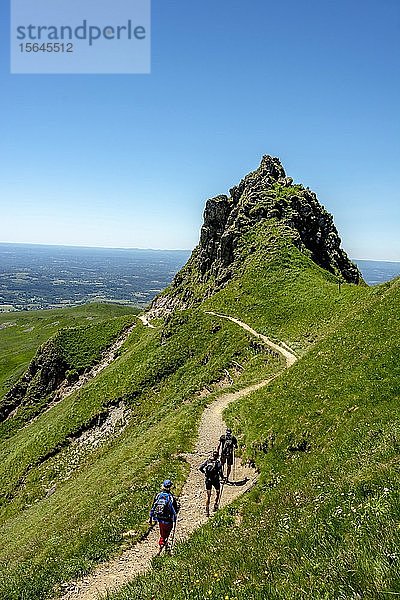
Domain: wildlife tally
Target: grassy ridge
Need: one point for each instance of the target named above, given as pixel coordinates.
(70, 352)
(323, 521)
(21, 333)
(282, 293)
(157, 376)
(82, 347)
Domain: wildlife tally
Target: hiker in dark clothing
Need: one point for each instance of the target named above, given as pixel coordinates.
(164, 511)
(212, 470)
(227, 446)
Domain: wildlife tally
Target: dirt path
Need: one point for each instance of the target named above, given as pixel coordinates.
(145, 321)
(282, 348)
(112, 575)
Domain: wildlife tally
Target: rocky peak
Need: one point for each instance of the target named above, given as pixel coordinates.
(270, 171)
(266, 193)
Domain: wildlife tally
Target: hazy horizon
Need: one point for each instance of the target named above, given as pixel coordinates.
(122, 160)
(47, 276)
(182, 250)
(187, 250)
(98, 247)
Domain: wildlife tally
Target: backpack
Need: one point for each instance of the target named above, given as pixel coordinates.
(211, 469)
(162, 506)
(228, 447)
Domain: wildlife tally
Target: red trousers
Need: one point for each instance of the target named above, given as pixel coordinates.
(165, 530)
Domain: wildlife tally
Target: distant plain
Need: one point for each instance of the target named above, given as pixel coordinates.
(34, 276)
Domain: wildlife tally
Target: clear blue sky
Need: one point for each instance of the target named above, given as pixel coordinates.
(129, 160)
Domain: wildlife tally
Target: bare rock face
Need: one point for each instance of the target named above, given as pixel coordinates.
(44, 374)
(266, 193)
(211, 244)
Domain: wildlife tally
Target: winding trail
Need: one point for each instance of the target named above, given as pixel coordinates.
(120, 570)
(282, 348)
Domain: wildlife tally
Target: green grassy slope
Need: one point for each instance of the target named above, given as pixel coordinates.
(21, 333)
(99, 493)
(69, 353)
(45, 539)
(278, 289)
(323, 522)
(284, 294)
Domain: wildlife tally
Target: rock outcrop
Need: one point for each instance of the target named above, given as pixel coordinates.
(266, 193)
(44, 374)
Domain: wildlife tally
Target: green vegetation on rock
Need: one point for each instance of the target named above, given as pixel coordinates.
(64, 357)
(21, 333)
(282, 293)
(322, 522)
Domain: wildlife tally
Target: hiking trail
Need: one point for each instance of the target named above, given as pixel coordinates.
(120, 570)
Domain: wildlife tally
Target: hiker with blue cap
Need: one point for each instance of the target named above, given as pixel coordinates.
(163, 512)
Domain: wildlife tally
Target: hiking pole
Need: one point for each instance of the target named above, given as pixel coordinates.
(173, 536)
(234, 465)
(220, 494)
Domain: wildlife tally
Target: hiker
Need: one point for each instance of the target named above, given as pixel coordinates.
(212, 470)
(164, 511)
(227, 446)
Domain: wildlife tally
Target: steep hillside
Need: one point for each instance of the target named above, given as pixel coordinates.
(323, 521)
(282, 292)
(21, 333)
(58, 364)
(81, 474)
(78, 476)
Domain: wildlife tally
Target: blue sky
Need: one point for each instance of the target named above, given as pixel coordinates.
(129, 160)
